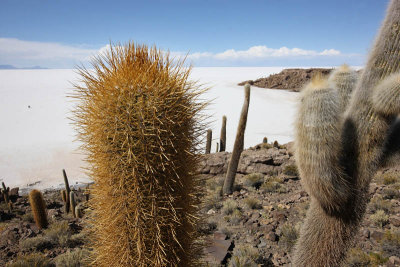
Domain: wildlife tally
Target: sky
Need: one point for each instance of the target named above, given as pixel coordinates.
(67, 33)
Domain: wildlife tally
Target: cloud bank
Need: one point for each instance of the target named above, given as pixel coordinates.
(22, 53)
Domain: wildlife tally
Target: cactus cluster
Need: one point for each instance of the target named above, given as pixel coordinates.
(140, 120)
(340, 143)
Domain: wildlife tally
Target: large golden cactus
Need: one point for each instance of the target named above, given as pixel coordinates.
(139, 119)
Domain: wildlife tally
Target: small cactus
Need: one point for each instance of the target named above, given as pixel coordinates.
(38, 208)
(10, 206)
(222, 138)
(78, 212)
(276, 144)
(72, 203)
(6, 191)
(265, 140)
(209, 138)
(64, 196)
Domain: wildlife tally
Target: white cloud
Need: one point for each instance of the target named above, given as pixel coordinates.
(26, 53)
(264, 52)
(54, 55)
(42, 50)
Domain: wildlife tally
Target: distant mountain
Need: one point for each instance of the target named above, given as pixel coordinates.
(11, 67)
(7, 67)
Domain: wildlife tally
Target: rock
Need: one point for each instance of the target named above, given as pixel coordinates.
(218, 250)
(13, 194)
(292, 79)
(272, 236)
(395, 221)
(219, 236)
(376, 235)
(394, 260)
(53, 213)
(372, 188)
(262, 243)
(366, 233)
(211, 211)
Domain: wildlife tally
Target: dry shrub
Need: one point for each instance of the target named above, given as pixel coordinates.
(229, 207)
(253, 203)
(254, 180)
(76, 258)
(380, 218)
(289, 235)
(244, 255)
(31, 260)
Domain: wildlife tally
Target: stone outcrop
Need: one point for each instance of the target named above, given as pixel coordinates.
(290, 79)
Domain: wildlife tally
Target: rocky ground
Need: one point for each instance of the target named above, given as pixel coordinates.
(255, 226)
(259, 223)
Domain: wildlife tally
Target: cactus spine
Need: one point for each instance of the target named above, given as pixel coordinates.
(239, 144)
(140, 120)
(38, 208)
(222, 138)
(209, 139)
(325, 237)
(72, 203)
(67, 191)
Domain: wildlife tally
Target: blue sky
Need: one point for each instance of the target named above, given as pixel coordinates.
(63, 33)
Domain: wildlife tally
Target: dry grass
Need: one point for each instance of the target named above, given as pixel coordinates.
(390, 178)
(289, 235)
(31, 260)
(273, 185)
(244, 255)
(76, 258)
(253, 203)
(229, 207)
(378, 203)
(291, 170)
(380, 218)
(254, 180)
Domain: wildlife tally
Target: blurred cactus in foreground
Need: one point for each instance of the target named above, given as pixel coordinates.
(339, 153)
(139, 119)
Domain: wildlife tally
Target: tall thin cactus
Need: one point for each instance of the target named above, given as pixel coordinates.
(209, 140)
(72, 203)
(67, 192)
(239, 144)
(222, 138)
